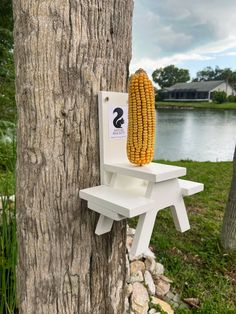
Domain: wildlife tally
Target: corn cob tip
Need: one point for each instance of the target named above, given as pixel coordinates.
(140, 71)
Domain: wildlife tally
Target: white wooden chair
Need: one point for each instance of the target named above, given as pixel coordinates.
(127, 190)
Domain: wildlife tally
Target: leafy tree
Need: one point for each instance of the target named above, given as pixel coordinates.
(7, 85)
(168, 76)
(210, 74)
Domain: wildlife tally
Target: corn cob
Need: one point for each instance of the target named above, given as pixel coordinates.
(142, 119)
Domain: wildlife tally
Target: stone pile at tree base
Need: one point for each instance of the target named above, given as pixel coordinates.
(148, 291)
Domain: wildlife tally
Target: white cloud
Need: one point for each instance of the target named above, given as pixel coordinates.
(174, 31)
(150, 64)
(232, 53)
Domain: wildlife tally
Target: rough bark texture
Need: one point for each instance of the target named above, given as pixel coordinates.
(228, 232)
(65, 52)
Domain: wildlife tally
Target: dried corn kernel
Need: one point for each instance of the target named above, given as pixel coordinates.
(142, 119)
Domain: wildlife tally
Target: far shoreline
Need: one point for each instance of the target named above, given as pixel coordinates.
(193, 105)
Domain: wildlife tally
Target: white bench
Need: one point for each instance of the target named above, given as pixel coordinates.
(126, 190)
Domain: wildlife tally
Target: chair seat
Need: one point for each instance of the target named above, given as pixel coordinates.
(189, 187)
(121, 202)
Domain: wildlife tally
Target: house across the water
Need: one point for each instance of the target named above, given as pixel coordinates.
(197, 91)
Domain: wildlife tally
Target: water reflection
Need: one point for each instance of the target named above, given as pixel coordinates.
(195, 134)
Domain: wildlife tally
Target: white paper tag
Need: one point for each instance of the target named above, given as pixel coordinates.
(118, 121)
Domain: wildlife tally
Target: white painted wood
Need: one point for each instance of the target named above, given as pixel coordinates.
(128, 190)
(144, 228)
(104, 225)
(153, 172)
(179, 214)
(189, 187)
(143, 233)
(105, 211)
(121, 202)
(112, 150)
(167, 194)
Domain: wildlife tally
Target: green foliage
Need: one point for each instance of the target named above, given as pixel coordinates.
(210, 74)
(159, 95)
(8, 256)
(7, 147)
(194, 260)
(219, 97)
(168, 76)
(7, 84)
(232, 98)
(8, 245)
(156, 307)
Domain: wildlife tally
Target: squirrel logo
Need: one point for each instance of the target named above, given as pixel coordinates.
(118, 121)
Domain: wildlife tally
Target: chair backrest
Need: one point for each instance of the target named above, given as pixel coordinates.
(113, 125)
(113, 122)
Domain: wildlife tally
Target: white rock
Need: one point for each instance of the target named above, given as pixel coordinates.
(134, 258)
(149, 282)
(139, 299)
(162, 287)
(127, 306)
(176, 298)
(166, 279)
(136, 277)
(150, 264)
(129, 241)
(129, 290)
(159, 269)
(170, 295)
(130, 231)
(152, 311)
(137, 266)
(165, 306)
(148, 253)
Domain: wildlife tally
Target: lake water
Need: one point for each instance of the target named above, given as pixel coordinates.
(195, 134)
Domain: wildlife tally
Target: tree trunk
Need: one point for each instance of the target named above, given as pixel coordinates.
(65, 52)
(228, 232)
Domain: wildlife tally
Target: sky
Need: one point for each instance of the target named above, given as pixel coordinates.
(191, 34)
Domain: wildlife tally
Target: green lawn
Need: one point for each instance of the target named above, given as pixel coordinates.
(202, 105)
(194, 260)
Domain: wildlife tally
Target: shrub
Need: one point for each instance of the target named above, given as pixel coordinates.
(7, 146)
(159, 95)
(232, 98)
(219, 97)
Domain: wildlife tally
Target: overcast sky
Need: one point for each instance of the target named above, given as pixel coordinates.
(188, 33)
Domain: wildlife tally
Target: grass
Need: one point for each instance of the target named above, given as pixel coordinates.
(195, 105)
(194, 260)
(8, 243)
(8, 246)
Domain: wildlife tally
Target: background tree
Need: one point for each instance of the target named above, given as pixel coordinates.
(210, 74)
(65, 52)
(7, 88)
(168, 76)
(228, 232)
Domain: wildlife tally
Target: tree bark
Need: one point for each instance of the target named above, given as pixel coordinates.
(228, 232)
(65, 52)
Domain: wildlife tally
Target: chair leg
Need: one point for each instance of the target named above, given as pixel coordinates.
(104, 225)
(180, 215)
(143, 233)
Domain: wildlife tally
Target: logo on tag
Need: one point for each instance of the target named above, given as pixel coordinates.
(118, 121)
